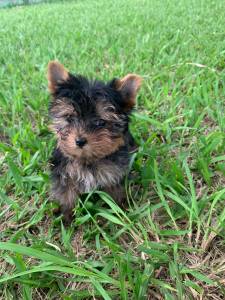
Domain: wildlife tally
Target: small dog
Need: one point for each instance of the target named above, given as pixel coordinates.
(90, 120)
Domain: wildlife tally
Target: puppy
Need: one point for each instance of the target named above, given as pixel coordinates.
(90, 121)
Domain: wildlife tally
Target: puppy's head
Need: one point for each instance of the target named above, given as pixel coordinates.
(90, 118)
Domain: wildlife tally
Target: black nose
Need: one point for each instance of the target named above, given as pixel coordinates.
(80, 142)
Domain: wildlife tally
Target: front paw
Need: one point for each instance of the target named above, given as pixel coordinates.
(68, 217)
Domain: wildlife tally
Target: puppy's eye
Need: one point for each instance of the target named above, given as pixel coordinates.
(69, 118)
(100, 123)
(117, 125)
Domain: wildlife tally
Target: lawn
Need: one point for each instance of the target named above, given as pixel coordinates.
(169, 243)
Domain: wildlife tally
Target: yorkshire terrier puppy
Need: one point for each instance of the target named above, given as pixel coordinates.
(90, 120)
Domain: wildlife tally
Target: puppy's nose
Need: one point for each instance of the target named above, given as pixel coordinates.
(80, 142)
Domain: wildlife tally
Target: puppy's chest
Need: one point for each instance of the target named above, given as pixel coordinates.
(87, 178)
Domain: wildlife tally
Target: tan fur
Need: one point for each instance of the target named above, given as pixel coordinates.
(102, 144)
(62, 108)
(66, 141)
(129, 85)
(99, 144)
(106, 111)
(61, 111)
(56, 74)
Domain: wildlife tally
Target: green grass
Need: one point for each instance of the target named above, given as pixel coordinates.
(170, 241)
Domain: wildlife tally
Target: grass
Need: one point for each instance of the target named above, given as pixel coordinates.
(170, 241)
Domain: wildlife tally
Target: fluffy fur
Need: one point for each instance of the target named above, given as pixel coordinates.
(90, 120)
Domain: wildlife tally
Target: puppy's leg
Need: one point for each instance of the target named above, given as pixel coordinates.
(117, 192)
(66, 195)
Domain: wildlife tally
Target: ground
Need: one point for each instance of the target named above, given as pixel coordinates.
(169, 242)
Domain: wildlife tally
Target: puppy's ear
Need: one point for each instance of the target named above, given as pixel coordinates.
(128, 87)
(56, 74)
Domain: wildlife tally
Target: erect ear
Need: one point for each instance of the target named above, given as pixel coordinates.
(56, 74)
(129, 86)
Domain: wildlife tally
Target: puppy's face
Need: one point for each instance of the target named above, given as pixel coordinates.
(90, 118)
